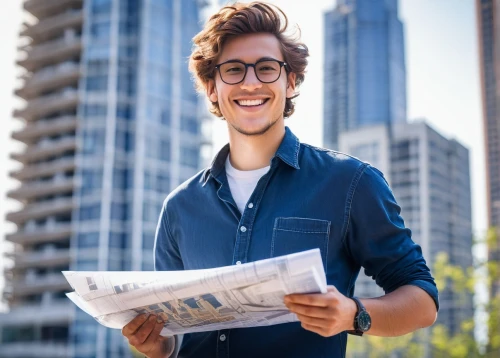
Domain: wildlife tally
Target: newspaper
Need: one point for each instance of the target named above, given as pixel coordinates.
(245, 295)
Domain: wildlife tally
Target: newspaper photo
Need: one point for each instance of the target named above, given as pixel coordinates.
(238, 296)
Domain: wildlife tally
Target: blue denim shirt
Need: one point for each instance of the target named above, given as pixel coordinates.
(310, 198)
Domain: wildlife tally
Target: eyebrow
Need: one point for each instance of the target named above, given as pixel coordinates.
(265, 58)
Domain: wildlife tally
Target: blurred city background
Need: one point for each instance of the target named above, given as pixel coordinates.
(101, 121)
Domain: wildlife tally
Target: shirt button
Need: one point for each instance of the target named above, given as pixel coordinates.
(222, 337)
(238, 262)
(243, 229)
(250, 205)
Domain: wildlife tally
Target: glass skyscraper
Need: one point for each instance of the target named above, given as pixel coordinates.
(364, 67)
(112, 124)
(488, 20)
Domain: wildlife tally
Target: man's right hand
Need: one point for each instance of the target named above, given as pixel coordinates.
(143, 333)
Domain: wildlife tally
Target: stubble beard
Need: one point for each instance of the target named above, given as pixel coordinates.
(258, 131)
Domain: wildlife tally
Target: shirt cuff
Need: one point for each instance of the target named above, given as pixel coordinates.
(428, 287)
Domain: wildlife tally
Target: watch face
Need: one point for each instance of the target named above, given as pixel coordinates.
(364, 321)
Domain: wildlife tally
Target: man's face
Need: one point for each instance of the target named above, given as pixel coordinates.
(252, 107)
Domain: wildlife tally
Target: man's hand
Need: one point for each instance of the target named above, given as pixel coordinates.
(143, 332)
(326, 314)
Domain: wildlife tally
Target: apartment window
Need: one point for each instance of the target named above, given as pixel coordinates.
(190, 125)
(148, 240)
(54, 333)
(126, 82)
(114, 264)
(91, 180)
(164, 150)
(152, 148)
(96, 67)
(18, 334)
(97, 83)
(118, 211)
(125, 111)
(93, 141)
(90, 110)
(88, 239)
(84, 332)
(163, 182)
(190, 157)
(90, 212)
(117, 240)
(101, 6)
(84, 264)
(123, 140)
(100, 30)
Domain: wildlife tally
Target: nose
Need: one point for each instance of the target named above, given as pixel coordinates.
(251, 82)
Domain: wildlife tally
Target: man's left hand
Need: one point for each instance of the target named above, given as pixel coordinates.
(326, 314)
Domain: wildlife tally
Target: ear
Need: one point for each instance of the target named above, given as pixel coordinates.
(290, 85)
(212, 91)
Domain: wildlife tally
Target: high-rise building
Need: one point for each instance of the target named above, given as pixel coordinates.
(488, 21)
(430, 178)
(364, 67)
(111, 124)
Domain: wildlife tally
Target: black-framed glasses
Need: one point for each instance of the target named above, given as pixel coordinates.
(233, 72)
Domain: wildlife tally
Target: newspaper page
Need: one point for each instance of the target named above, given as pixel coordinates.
(238, 296)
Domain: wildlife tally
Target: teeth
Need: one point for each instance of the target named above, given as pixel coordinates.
(250, 102)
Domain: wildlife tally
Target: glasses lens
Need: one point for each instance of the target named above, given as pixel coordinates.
(232, 72)
(268, 71)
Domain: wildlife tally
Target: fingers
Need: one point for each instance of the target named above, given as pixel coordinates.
(152, 339)
(313, 321)
(142, 333)
(309, 311)
(133, 325)
(315, 299)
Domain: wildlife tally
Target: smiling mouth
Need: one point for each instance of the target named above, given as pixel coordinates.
(251, 102)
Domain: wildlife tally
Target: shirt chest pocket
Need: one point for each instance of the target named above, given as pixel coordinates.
(292, 235)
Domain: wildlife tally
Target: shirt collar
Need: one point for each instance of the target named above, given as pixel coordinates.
(288, 152)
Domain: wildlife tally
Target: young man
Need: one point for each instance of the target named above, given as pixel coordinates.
(266, 194)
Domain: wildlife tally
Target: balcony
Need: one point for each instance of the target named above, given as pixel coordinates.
(42, 188)
(42, 8)
(50, 27)
(51, 52)
(30, 171)
(45, 149)
(49, 78)
(41, 233)
(42, 349)
(33, 284)
(41, 210)
(42, 128)
(55, 311)
(45, 105)
(46, 258)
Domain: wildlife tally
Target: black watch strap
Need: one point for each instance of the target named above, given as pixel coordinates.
(361, 308)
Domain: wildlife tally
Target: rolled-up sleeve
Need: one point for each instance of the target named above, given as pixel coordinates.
(166, 251)
(377, 239)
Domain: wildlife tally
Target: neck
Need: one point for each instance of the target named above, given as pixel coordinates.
(255, 151)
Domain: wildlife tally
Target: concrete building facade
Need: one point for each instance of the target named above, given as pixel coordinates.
(111, 124)
(430, 178)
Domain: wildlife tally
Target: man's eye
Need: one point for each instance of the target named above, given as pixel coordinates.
(234, 69)
(267, 68)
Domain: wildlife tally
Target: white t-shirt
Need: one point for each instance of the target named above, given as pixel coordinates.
(242, 183)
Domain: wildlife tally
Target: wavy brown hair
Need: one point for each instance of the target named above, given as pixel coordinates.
(238, 19)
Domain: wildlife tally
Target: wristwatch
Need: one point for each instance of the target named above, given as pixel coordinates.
(362, 320)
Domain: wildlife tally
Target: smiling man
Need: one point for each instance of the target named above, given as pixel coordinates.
(267, 194)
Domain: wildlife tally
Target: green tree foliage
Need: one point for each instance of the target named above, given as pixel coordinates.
(443, 344)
